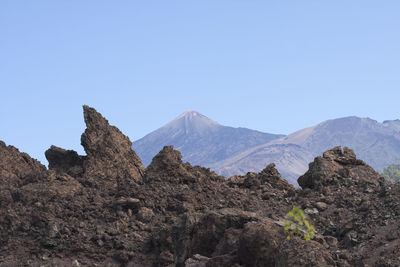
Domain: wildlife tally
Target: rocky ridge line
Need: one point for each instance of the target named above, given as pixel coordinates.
(106, 209)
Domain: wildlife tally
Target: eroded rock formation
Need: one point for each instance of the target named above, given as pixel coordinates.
(109, 152)
(67, 161)
(106, 209)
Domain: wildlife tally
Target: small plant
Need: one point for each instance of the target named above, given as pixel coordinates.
(392, 173)
(298, 226)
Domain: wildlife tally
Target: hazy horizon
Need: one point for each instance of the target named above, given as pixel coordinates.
(271, 67)
(41, 157)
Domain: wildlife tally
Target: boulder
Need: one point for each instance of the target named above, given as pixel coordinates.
(201, 234)
(298, 252)
(259, 242)
(337, 166)
(67, 161)
(197, 261)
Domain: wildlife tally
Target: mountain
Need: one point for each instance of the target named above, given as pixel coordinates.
(106, 209)
(376, 143)
(231, 151)
(290, 159)
(201, 140)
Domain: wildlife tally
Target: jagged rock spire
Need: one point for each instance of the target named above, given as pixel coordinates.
(109, 151)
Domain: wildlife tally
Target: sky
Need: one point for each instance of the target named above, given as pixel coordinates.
(272, 66)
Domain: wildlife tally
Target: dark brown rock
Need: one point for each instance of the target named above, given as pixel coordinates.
(18, 168)
(67, 161)
(335, 163)
(268, 176)
(297, 253)
(259, 242)
(145, 214)
(104, 209)
(271, 176)
(167, 164)
(196, 234)
(229, 243)
(110, 157)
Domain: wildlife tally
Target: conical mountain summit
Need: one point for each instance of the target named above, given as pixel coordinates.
(201, 140)
(232, 151)
(191, 121)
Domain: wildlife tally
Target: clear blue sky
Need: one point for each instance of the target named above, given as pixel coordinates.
(273, 66)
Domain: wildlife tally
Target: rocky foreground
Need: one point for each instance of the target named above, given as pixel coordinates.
(106, 209)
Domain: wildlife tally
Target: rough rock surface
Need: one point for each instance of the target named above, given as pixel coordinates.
(105, 209)
(18, 168)
(109, 152)
(333, 164)
(360, 211)
(260, 242)
(67, 161)
(297, 252)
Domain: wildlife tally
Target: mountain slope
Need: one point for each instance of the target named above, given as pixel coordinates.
(201, 140)
(376, 143)
(291, 160)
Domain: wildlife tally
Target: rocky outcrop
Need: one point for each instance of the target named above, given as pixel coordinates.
(105, 209)
(168, 165)
(18, 168)
(110, 158)
(334, 167)
(201, 234)
(269, 177)
(110, 162)
(65, 161)
(259, 242)
(348, 201)
(298, 253)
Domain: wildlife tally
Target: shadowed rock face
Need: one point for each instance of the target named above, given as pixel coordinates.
(105, 209)
(67, 161)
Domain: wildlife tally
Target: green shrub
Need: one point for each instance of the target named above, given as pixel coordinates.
(392, 173)
(297, 225)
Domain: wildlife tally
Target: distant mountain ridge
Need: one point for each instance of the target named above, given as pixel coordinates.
(201, 140)
(376, 143)
(230, 151)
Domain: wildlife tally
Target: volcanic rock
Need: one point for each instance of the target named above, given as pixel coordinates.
(18, 168)
(167, 164)
(105, 209)
(200, 234)
(145, 214)
(298, 253)
(356, 198)
(110, 157)
(197, 261)
(259, 243)
(335, 162)
(321, 205)
(67, 161)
